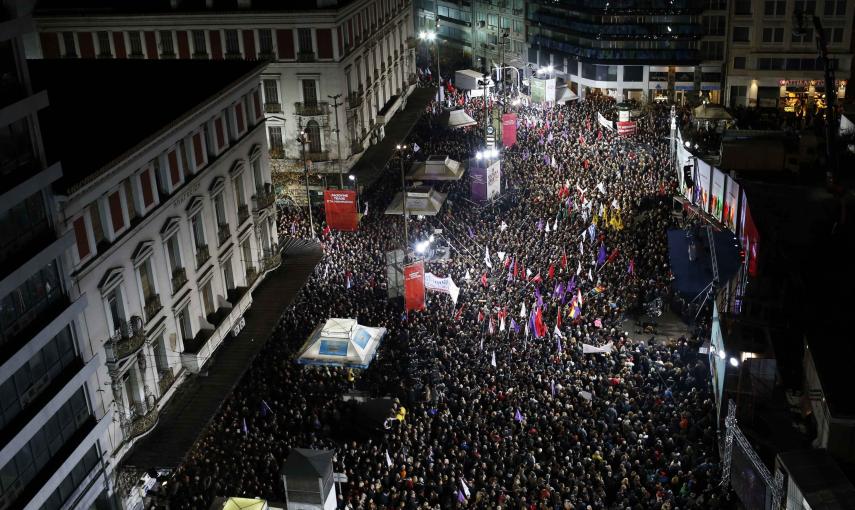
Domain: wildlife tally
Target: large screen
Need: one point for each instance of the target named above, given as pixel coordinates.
(749, 236)
(746, 480)
(731, 203)
(702, 187)
(717, 194)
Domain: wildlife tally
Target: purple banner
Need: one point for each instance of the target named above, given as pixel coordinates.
(477, 180)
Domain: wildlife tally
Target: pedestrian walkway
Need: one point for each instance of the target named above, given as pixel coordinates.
(370, 165)
(196, 402)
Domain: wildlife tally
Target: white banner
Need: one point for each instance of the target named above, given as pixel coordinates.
(586, 348)
(445, 285)
(605, 122)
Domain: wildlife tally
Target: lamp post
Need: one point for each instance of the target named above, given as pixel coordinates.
(352, 178)
(400, 149)
(336, 104)
(430, 36)
(303, 141)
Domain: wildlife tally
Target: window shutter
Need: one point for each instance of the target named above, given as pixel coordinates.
(198, 151)
(174, 172)
(249, 44)
(87, 47)
(241, 123)
(285, 41)
(256, 103)
(218, 128)
(50, 44)
(118, 220)
(183, 44)
(325, 49)
(82, 239)
(340, 41)
(145, 185)
(119, 44)
(151, 46)
(216, 45)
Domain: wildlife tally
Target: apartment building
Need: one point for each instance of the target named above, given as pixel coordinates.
(359, 50)
(772, 61)
(51, 418)
(485, 32)
(169, 214)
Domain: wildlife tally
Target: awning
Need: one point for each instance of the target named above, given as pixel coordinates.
(421, 201)
(457, 119)
(242, 504)
(341, 343)
(712, 112)
(567, 95)
(436, 168)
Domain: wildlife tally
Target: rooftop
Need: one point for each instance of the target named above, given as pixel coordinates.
(81, 7)
(101, 109)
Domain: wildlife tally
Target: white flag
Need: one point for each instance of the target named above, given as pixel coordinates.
(557, 332)
(366, 209)
(590, 278)
(602, 188)
(581, 248)
(502, 324)
(547, 227)
(522, 311)
(615, 204)
(487, 257)
(493, 361)
(416, 147)
(453, 290)
(528, 273)
(501, 255)
(388, 459)
(555, 227)
(467, 276)
(503, 226)
(586, 395)
(579, 269)
(465, 488)
(481, 346)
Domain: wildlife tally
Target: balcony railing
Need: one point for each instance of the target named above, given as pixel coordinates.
(152, 306)
(276, 153)
(242, 213)
(223, 233)
(309, 109)
(263, 200)
(179, 278)
(305, 56)
(127, 340)
(356, 148)
(273, 107)
(318, 156)
(354, 100)
(142, 423)
(165, 380)
(251, 275)
(202, 255)
(271, 260)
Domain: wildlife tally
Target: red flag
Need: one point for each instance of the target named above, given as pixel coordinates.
(537, 278)
(631, 266)
(599, 134)
(522, 268)
(538, 323)
(564, 260)
(480, 315)
(459, 312)
(558, 320)
(484, 279)
(327, 231)
(515, 269)
(612, 256)
(551, 272)
(507, 262)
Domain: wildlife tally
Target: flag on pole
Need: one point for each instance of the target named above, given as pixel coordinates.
(460, 497)
(491, 328)
(540, 330)
(563, 259)
(484, 279)
(592, 231)
(552, 387)
(467, 276)
(631, 269)
(522, 311)
(547, 228)
(471, 233)
(244, 427)
(388, 459)
(581, 248)
(503, 226)
(612, 256)
(518, 415)
(558, 341)
(515, 326)
(493, 359)
(579, 268)
(558, 319)
(502, 323)
(465, 488)
(265, 405)
(551, 273)
(555, 227)
(590, 277)
(515, 269)
(579, 295)
(601, 256)
(487, 257)
(416, 147)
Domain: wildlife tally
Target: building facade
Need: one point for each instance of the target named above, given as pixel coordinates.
(52, 453)
(497, 27)
(361, 51)
(772, 61)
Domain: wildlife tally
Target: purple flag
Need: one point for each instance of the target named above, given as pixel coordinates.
(572, 285)
(538, 296)
(556, 292)
(540, 224)
(460, 497)
(546, 158)
(518, 415)
(549, 138)
(245, 428)
(531, 322)
(471, 233)
(515, 326)
(601, 256)
(560, 350)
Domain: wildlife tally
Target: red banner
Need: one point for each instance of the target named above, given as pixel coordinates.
(509, 129)
(414, 286)
(626, 128)
(340, 206)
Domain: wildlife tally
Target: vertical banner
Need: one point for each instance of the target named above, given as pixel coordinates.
(509, 129)
(478, 179)
(414, 286)
(494, 179)
(538, 90)
(340, 207)
(731, 203)
(717, 195)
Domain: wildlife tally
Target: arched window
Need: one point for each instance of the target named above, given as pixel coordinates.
(313, 133)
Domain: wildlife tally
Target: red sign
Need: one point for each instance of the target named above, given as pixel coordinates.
(626, 128)
(340, 207)
(414, 286)
(509, 129)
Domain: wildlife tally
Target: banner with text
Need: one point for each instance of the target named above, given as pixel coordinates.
(509, 129)
(414, 286)
(445, 285)
(626, 128)
(340, 206)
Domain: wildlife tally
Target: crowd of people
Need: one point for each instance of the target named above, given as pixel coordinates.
(505, 408)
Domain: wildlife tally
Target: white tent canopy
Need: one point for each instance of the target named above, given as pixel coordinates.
(458, 119)
(421, 201)
(436, 168)
(566, 94)
(341, 342)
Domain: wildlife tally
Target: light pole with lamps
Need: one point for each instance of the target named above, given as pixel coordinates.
(430, 36)
(352, 178)
(301, 139)
(400, 149)
(336, 104)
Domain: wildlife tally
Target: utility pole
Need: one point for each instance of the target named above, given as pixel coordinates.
(404, 197)
(302, 140)
(336, 104)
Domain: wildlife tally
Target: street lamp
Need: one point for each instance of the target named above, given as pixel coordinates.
(352, 178)
(336, 104)
(400, 149)
(302, 140)
(430, 36)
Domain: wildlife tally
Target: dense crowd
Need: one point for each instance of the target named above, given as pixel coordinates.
(504, 410)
